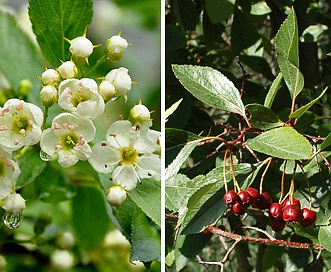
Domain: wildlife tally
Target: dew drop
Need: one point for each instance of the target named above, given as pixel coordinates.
(13, 220)
(44, 156)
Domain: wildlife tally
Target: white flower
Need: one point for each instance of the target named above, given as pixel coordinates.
(128, 154)
(68, 137)
(116, 195)
(116, 46)
(120, 80)
(20, 124)
(81, 97)
(14, 204)
(48, 95)
(9, 173)
(50, 77)
(67, 69)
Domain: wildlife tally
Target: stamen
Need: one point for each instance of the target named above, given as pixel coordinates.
(16, 141)
(19, 107)
(2, 128)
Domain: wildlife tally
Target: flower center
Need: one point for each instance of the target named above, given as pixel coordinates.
(21, 125)
(129, 155)
(78, 98)
(69, 141)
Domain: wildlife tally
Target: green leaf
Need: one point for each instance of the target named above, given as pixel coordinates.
(273, 90)
(19, 58)
(326, 143)
(178, 137)
(283, 142)
(174, 167)
(89, 216)
(146, 239)
(186, 14)
(147, 196)
(262, 117)
(178, 189)
(299, 112)
(53, 186)
(260, 8)
(211, 87)
(172, 109)
(219, 10)
(312, 33)
(31, 167)
(286, 44)
(324, 237)
(53, 20)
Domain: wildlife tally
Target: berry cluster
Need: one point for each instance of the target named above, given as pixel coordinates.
(280, 214)
(290, 212)
(249, 197)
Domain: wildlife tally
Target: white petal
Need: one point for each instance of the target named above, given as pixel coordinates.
(65, 100)
(83, 152)
(104, 158)
(149, 166)
(119, 134)
(148, 142)
(70, 83)
(66, 158)
(49, 141)
(126, 176)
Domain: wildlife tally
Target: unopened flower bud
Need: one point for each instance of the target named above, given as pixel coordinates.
(3, 263)
(116, 195)
(107, 90)
(48, 95)
(68, 69)
(14, 204)
(81, 48)
(121, 80)
(24, 87)
(62, 260)
(50, 77)
(115, 47)
(65, 240)
(140, 114)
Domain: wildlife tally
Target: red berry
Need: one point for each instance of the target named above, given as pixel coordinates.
(277, 225)
(295, 201)
(308, 217)
(230, 197)
(263, 201)
(276, 211)
(253, 193)
(238, 208)
(292, 213)
(245, 198)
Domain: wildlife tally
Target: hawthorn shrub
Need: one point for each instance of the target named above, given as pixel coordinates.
(247, 136)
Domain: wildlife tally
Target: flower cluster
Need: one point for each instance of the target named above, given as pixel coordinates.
(130, 152)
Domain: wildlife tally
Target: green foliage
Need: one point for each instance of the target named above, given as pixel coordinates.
(52, 21)
(18, 50)
(254, 47)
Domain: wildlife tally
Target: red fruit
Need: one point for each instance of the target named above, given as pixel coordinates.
(277, 225)
(253, 193)
(308, 217)
(244, 198)
(263, 201)
(292, 213)
(238, 208)
(295, 202)
(230, 198)
(276, 211)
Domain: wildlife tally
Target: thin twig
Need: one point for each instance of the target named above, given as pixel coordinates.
(261, 231)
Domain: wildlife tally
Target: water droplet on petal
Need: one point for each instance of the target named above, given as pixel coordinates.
(13, 220)
(44, 156)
